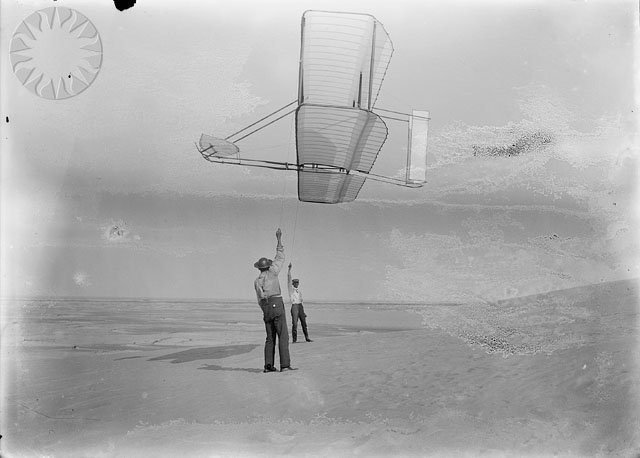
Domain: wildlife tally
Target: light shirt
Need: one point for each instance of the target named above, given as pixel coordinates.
(294, 293)
(267, 283)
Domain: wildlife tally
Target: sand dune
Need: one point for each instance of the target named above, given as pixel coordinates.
(546, 375)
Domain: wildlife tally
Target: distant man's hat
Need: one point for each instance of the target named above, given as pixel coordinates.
(295, 280)
(262, 263)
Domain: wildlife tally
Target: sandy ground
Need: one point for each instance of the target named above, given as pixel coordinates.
(547, 375)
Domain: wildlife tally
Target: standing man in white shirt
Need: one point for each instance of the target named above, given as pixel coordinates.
(297, 310)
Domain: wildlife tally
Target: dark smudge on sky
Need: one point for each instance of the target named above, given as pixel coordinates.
(122, 5)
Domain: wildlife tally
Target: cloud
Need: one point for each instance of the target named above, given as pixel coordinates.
(501, 252)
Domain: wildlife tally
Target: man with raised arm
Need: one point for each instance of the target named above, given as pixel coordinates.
(269, 296)
(297, 310)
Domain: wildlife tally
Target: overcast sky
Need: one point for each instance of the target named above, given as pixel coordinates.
(121, 154)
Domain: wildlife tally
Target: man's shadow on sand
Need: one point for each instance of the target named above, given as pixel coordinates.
(195, 354)
(215, 367)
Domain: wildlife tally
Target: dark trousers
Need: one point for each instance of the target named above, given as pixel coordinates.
(275, 322)
(297, 311)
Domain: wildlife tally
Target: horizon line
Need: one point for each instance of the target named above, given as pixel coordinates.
(219, 299)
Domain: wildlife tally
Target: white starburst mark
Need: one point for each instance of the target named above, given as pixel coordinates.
(81, 279)
(56, 53)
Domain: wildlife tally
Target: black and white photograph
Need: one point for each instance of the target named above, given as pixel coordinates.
(319, 228)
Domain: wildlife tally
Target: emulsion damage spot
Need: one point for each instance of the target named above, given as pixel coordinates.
(122, 5)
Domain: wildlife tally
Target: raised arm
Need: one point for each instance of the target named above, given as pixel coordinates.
(289, 281)
(278, 260)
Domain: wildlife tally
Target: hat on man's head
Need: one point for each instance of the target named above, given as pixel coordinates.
(295, 280)
(263, 263)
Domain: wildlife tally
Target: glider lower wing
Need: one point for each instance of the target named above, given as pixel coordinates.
(331, 142)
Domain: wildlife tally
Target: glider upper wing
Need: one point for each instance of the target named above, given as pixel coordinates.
(344, 57)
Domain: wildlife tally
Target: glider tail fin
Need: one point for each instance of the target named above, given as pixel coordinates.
(417, 147)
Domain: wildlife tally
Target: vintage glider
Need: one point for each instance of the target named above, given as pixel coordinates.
(343, 61)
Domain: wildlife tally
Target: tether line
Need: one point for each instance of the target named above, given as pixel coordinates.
(295, 224)
(295, 221)
(284, 181)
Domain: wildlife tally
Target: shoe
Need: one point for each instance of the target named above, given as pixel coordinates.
(294, 341)
(270, 369)
(288, 368)
(309, 340)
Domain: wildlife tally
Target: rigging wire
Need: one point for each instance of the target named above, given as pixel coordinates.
(284, 181)
(260, 120)
(400, 113)
(395, 119)
(295, 224)
(262, 127)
